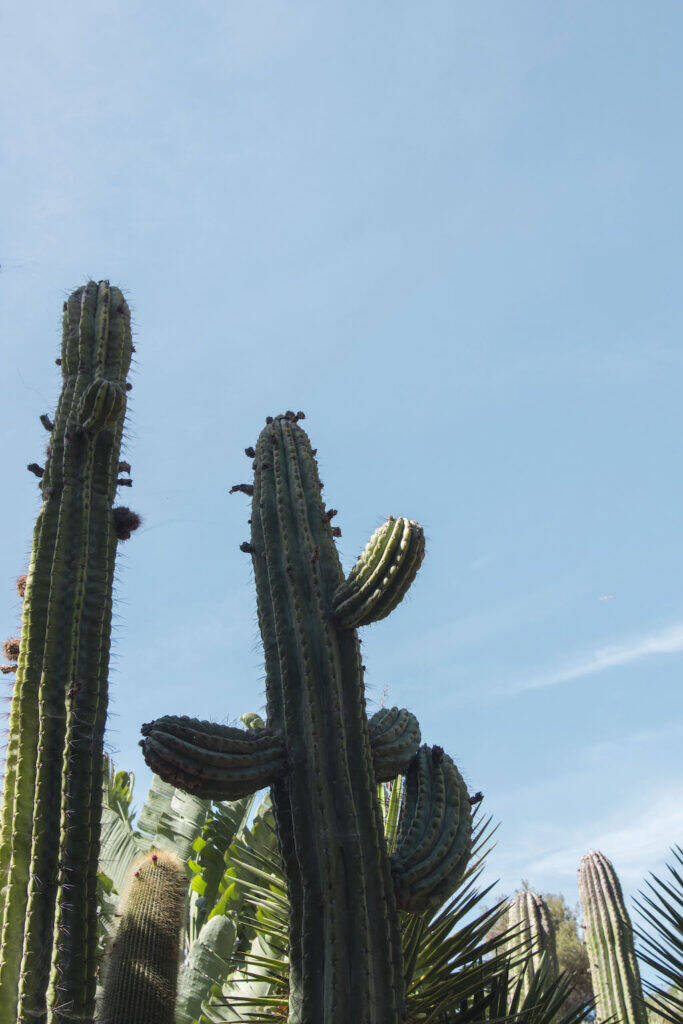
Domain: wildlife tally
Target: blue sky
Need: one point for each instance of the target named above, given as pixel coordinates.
(451, 233)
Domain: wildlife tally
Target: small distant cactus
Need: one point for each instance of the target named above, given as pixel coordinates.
(51, 801)
(320, 754)
(530, 918)
(609, 943)
(141, 972)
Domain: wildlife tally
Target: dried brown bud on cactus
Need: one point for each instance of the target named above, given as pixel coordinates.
(21, 585)
(10, 648)
(125, 521)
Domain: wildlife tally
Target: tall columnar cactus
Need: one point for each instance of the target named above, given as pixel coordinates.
(609, 943)
(320, 755)
(530, 918)
(141, 973)
(49, 820)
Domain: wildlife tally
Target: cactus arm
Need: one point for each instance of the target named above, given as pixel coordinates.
(435, 840)
(394, 740)
(609, 943)
(212, 760)
(141, 975)
(382, 575)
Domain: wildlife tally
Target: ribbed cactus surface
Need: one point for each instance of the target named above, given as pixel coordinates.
(530, 918)
(49, 819)
(609, 943)
(141, 973)
(319, 751)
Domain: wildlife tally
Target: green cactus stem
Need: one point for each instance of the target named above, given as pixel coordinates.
(530, 919)
(345, 946)
(50, 812)
(609, 943)
(141, 973)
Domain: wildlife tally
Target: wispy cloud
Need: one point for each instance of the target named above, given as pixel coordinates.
(637, 839)
(665, 641)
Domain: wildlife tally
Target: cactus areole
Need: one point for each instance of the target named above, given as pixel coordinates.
(321, 756)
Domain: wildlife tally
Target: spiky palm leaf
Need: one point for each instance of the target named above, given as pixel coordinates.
(661, 908)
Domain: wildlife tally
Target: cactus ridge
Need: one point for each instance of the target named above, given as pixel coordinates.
(142, 967)
(49, 820)
(382, 575)
(395, 740)
(344, 932)
(609, 943)
(435, 839)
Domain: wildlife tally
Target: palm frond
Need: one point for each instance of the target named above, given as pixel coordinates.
(661, 936)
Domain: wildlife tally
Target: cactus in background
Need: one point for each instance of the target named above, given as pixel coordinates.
(50, 814)
(318, 751)
(609, 941)
(530, 918)
(142, 966)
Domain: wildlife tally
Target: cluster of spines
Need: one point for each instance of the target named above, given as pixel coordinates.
(51, 799)
(435, 839)
(141, 972)
(609, 943)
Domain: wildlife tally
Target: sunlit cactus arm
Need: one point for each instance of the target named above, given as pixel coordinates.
(382, 575)
(609, 943)
(141, 972)
(394, 740)
(435, 840)
(51, 802)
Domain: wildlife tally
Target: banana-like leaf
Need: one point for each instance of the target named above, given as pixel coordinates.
(208, 963)
(170, 819)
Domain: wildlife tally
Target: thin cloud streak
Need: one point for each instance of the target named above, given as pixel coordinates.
(666, 641)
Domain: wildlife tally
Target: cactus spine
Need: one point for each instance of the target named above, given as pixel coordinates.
(530, 918)
(142, 966)
(49, 820)
(344, 890)
(609, 943)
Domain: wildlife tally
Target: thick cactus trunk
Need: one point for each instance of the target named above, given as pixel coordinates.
(49, 838)
(609, 943)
